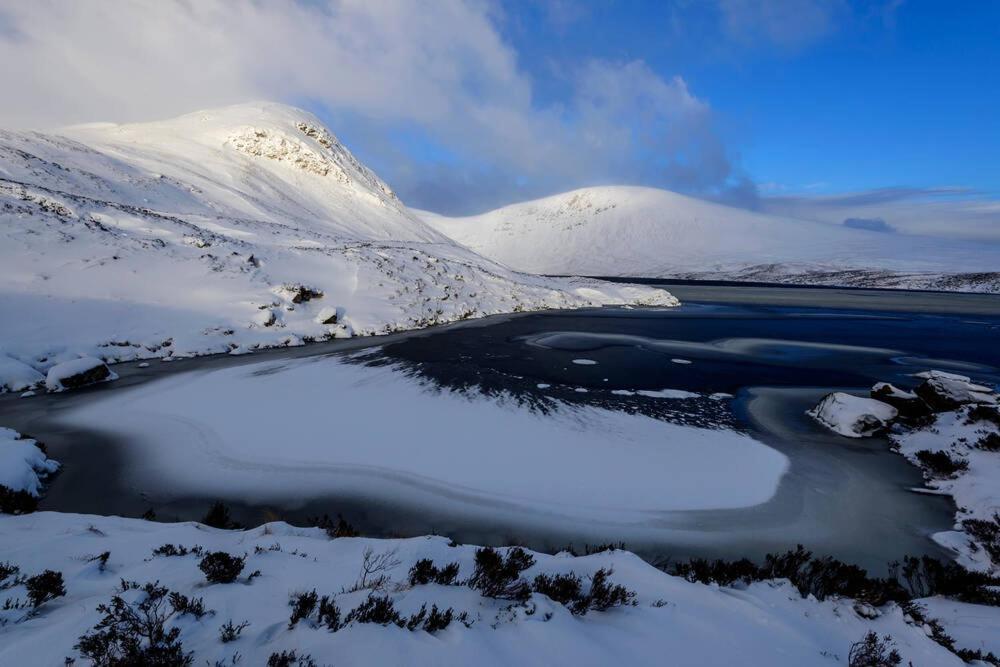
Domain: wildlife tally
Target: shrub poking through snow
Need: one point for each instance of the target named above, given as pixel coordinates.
(135, 633)
(724, 573)
(290, 659)
(328, 615)
(334, 530)
(496, 576)
(437, 620)
(8, 569)
(230, 633)
(16, 502)
(221, 568)
(182, 604)
(562, 588)
(941, 464)
(303, 605)
(375, 568)
(44, 587)
(604, 595)
(926, 577)
(177, 550)
(989, 442)
(425, 572)
(873, 651)
(377, 609)
(986, 413)
(101, 560)
(987, 534)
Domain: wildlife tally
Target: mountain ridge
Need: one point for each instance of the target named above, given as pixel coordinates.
(652, 233)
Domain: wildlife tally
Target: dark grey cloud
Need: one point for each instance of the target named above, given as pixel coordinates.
(870, 224)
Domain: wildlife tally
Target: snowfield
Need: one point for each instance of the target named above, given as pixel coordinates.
(636, 231)
(694, 624)
(224, 230)
(256, 432)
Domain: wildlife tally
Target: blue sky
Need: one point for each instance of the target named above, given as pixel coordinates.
(824, 109)
(879, 95)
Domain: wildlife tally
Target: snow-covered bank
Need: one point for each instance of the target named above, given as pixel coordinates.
(949, 427)
(635, 231)
(321, 424)
(23, 464)
(767, 623)
(959, 451)
(225, 230)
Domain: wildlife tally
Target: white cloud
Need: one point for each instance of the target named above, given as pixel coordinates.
(439, 67)
(784, 23)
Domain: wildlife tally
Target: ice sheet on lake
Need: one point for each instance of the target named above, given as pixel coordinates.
(321, 426)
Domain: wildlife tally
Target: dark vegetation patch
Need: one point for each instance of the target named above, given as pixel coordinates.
(497, 576)
(136, 633)
(334, 529)
(16, 502)
(221, 568)
(425, 572)
(941, 464)
(824, 577)
(44, 587)
(987, 533)
(874, 651)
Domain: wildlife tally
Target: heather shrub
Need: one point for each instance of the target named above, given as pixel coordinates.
(135, 633)
(496, 576)
(221, 568)
(44, 587)
(873, 651)
(941, 464)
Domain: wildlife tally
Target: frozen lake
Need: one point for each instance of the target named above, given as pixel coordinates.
(679, 431)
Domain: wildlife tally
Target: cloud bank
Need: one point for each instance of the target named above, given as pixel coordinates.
(430, 92)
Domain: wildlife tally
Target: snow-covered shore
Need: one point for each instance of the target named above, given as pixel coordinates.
(225, 230)
(949, 427)
(763, 623)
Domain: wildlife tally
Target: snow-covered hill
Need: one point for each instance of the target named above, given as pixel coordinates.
(634, 231)
(224, 230)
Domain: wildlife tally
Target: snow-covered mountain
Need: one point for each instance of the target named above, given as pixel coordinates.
(635, 231)
(223, 230)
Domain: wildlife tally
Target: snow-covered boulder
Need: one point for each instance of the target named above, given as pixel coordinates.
(948, 391)
(16, 375)
(906, 402)
(78, 373)
(853, 416)
(23, 464)
(327, 315)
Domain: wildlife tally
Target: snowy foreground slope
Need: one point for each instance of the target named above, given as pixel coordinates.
(224, 230)
(635, 231)
(767, 623)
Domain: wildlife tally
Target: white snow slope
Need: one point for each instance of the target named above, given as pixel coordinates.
(673, 622)
(636, 231)
(194, 235)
